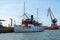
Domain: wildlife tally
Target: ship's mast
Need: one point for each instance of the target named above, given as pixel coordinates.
(37, 14)
(24, 11)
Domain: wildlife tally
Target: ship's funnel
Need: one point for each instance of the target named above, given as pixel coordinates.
(31, 17)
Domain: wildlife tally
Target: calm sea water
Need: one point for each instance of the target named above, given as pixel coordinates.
(46, 35)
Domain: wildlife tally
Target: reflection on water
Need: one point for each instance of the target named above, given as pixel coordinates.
(46, 35)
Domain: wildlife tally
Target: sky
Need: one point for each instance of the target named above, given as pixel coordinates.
(14, 9)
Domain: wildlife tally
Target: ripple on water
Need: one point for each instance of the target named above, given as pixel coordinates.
(46, 35)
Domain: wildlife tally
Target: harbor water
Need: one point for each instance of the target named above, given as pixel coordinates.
(46, 35)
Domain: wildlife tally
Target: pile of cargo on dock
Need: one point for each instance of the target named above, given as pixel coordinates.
(6, 29)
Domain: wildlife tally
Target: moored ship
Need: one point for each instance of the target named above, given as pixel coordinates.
(29, 25)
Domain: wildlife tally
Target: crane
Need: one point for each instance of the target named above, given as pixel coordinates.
(53, 19)
(26, 15)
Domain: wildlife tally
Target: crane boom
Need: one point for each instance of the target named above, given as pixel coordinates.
(26, 15)
(51, 14)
